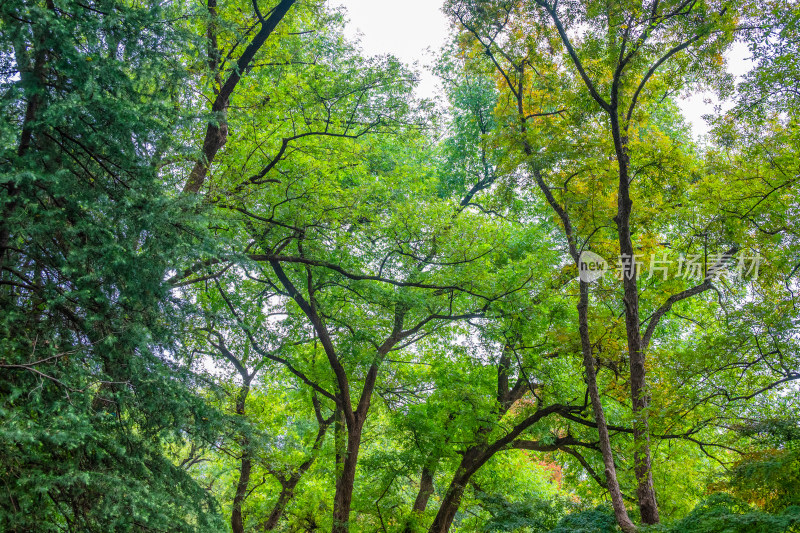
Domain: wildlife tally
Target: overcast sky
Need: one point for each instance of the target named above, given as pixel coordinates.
(408, 28)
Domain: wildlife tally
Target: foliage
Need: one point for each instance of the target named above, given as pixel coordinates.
(247, 277)
(533, 515)
(91, 397)
(597, 520)
(770, 477)
(722, 513)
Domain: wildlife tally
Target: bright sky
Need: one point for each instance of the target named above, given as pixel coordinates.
(407, 28)
(403, 28)
(698, 105)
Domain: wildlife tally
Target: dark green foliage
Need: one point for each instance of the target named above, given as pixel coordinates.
(468, 164)
(89, 397)
(66, 466)
(722, 513)
(348, 269)
(597, 520)
(770, 478)
(532, 515)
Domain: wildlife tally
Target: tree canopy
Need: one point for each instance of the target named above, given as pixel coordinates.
(251, 281)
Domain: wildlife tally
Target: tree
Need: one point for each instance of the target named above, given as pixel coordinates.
(92, 398)
(579, 95)
(235, 331)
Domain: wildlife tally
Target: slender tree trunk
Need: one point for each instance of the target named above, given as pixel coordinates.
(471, 461)
(425, 490)
(5, 230)
(289, 485)
(24, 144)
(354, 419)
(450, 504)
(421, 501)
(286, 495)
(617, 502)
(346, 480)
(612, 482)
(237, 520)
(339, 441)
(645, 491)
(216, 135)
(33, 79)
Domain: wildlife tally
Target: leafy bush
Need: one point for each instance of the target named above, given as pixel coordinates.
(597, 520)
(723, 513)
(534, 515)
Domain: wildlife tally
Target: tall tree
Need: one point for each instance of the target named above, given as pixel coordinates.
(91, 398)
(580, 89)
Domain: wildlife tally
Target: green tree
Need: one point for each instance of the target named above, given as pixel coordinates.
(91, 395)
(583, 113)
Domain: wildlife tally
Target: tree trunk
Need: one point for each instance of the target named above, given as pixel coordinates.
(645, 491)
(421, 501)
(237, 520)
(425, 490)
(216, 135)
(346, 480)
(471, 461)
(33, 78)
(612, 483)
(620, 512)
(286, 495)
(289, 485)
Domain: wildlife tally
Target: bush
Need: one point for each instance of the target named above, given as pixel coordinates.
(598, 520)
(722, 513)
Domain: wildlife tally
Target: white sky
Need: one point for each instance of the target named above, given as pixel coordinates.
(408, 28)
(403, 28)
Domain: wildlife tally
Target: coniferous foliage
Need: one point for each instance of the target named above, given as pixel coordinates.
(89, 229)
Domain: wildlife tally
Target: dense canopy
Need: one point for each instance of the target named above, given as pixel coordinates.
(250, 281)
